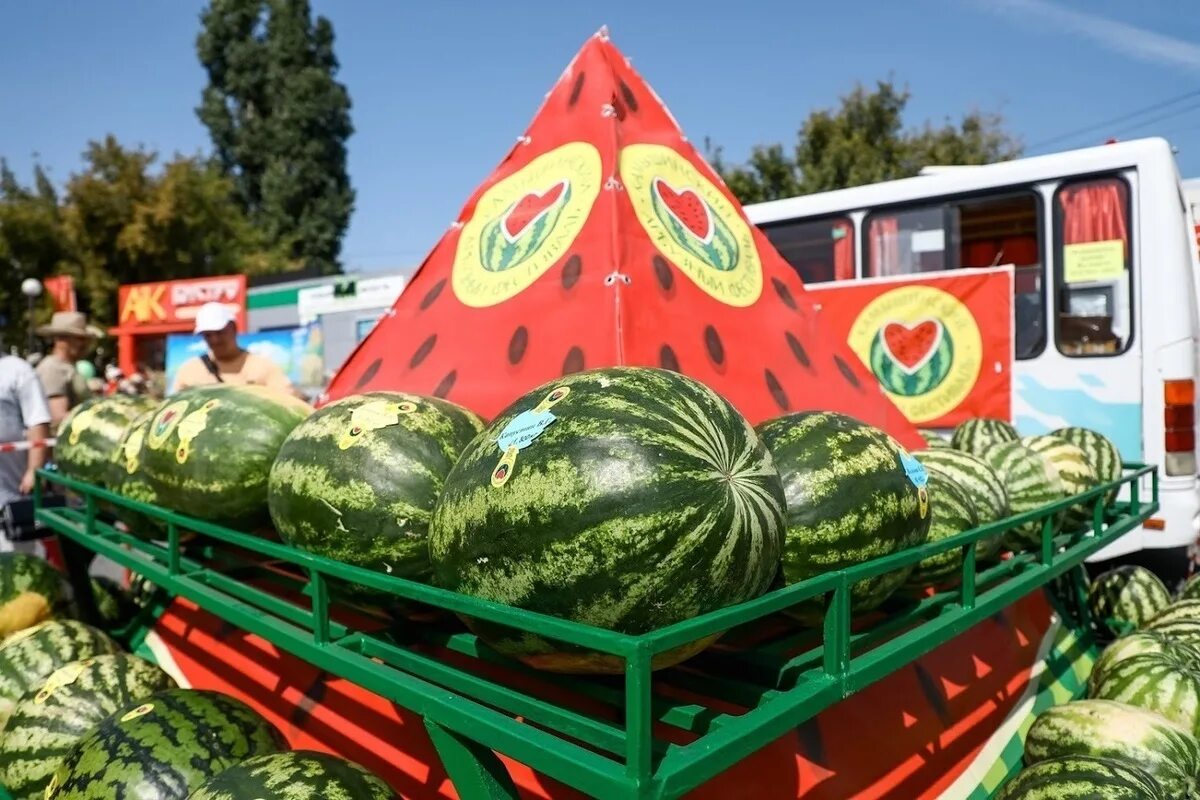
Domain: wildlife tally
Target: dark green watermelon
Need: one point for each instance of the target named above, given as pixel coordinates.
(1126, 598)
(128, 478)
(297, 775)
(60, 711)
(625, 498)
(89, 434)
(1136, 644)
(31, 591)
(951, 512)
(163, 747)
(1167, 682)
(357, 481)
(853, 494)
(1082, 778)
(208, 451)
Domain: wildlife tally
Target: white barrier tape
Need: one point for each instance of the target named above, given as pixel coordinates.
(11, 447)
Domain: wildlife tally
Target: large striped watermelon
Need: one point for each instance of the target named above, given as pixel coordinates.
(1030, 484)
(89, 434)
(296, 775)
(853, 494)
(31, 591)
(53, 716)
(1073, 470)
(1136, 644)
(208, 451)
(163, 747)
(977, 435)
(625, 498)
(951, 512)
(1167, 682)
(972, 475)
(128, 478)
(1180, 610)
(1082, 778)
(1145, 739)
(1184, 631)
(1126, 598)
(357, 480)
(29, 657)
(1101, 453)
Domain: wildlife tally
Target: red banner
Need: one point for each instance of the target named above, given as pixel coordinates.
(940, 346)
(61, 289)
(173, 304)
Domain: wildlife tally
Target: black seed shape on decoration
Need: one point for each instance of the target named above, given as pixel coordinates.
(432, 294)
(446, 385)
(798, 351)
(662, 271)
(629, 97)
(423, 351)
(573, 362)
(712, 341)
(847, 373)
(517, 345)
(776, 390)
(784, 293)
(571, 271)
(667, 359)
(576, 89)
(618, 107)
(368, 373)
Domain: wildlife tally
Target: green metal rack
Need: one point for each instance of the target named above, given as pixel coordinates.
(629, 736)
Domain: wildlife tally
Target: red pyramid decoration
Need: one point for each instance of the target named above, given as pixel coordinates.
(603, 239)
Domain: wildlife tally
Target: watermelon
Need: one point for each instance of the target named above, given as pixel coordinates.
(853, 494)
(1167, 682)
(1101, 453)
(625, 498)
(1082, 778)
(1071, 466)
(1135, 644)
(1126, 598)
(53, 716)
(951, 513)
(975, 477)
(163, 746)
(89, 434)
(1102, 728)
(128, 479)
(1191, 589)
(114, 603)
(1180, 610)
(208, 451)
(357, 480)
(977, 435)
(29, 657)
(934, 440)
(1030, 484)
(31, 591)
(297, 775)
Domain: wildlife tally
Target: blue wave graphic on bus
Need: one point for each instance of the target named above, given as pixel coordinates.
(1121, 422)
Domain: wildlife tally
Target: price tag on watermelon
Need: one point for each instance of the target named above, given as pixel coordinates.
(914, 469)
(524, 428)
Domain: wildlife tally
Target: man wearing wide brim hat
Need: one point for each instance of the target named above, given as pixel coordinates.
(61, 381)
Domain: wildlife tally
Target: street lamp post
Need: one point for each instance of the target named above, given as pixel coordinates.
(32, 289)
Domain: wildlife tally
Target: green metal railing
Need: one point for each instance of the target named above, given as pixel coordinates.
(647, 743)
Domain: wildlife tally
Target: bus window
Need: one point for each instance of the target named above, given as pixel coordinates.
(820, 250)
(1092, 273)
(907, 241)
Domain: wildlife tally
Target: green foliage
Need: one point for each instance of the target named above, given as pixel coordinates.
(279, 122)
(863, 141)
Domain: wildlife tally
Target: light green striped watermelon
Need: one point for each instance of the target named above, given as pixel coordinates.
(208, 451)
(31, 656)
(974, 476)
(1136, 644)
(31, 591)
(1191, 589)
(1030, 484)
(1180, 610)
(357, 481)
(296, 775)
(60, 711)
(951, 512)
(89, 434)
(1167, 682)
(1181, 631)
(1145, 739)
(977, 435)
(1101, 453)
(1082, 778)
(853, 494)
(624, 498)
(163, 746)
(1073, 470)
(1126, 598)
(934, 440)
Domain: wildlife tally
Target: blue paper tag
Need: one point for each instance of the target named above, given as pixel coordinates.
(524, 428)
(914, 469)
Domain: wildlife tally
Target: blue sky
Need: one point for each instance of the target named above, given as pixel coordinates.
(440, 89)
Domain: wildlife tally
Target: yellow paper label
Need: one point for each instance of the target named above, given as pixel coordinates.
(65, 676)
(552, 399)
(1094, 261)
(371, 417)
(24, 633)
(190, 427)
(140, 711)
(81, 422)
(133, 449)
(504, 469)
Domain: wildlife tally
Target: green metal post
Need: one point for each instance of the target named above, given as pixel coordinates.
(638, 731)
(172, 548)
(320, 607)
(475, 771)
(1048, 540)
(837, 633)
(1133, 492)
(967, 596)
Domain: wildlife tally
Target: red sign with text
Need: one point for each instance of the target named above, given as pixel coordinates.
(61, 290)
(173, 304)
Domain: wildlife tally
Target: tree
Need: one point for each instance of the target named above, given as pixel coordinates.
(864, 141)
(279, 122)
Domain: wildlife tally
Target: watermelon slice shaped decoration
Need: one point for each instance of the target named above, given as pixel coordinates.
(518, 233)
(912, 359)
(694, 226)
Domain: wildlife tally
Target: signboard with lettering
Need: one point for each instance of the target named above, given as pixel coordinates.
(173, 304)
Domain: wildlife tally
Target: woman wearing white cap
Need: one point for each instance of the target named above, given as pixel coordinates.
(226, 361)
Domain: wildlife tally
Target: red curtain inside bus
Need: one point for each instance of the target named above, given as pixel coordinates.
(843, 251)
(1094, 212)
(884, 234)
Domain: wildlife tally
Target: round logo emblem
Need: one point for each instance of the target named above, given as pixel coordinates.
(165, 422)
(692, 223)
(924, 347)
(524, 224)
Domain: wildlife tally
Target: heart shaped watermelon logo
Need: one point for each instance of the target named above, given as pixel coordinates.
(691, 222)
(911, 346)
(688, 209)
(912, 358)
(525, 225)
(531, 208)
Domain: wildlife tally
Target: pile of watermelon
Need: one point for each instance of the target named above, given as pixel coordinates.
(1136, 733)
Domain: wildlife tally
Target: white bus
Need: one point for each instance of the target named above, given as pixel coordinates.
(1111, 346)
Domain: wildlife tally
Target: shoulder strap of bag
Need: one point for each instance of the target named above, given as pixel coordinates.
(211, 367)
